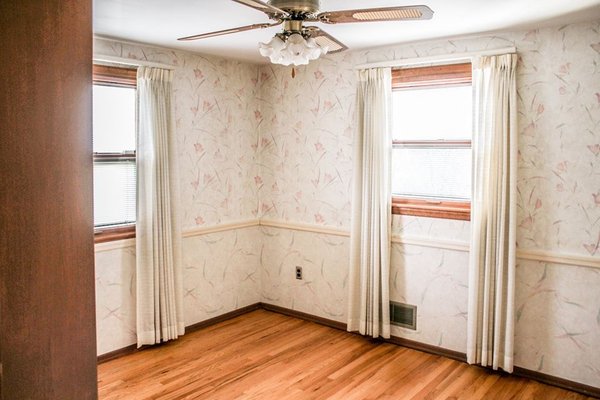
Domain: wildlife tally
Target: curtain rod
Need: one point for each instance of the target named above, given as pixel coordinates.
(130, 61)
(437, 59)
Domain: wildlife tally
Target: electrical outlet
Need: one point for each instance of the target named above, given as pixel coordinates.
(298, 272)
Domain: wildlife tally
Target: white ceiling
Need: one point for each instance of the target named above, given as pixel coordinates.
(161, 22)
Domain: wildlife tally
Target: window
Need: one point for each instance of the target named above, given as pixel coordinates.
(114, 143)
(431, 161)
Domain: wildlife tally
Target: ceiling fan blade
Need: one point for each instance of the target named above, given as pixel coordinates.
(377, 14)
(272, 12)
(228, 31)
(324, 39)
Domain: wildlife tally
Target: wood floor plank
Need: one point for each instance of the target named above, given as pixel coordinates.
(264, 355)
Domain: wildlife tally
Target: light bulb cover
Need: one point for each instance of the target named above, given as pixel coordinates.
(292, 50)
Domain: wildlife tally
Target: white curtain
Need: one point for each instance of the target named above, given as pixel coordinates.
(368, 302)
(490, 332)
(158, 236)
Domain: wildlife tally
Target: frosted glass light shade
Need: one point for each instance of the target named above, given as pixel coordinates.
(295, 50)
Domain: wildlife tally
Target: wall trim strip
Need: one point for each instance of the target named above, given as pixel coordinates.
(228, 226)
(303, 227)
(188, 329)
(440, 351)
(114, 245)
(546, 256)
(304, 316)
(427, 348)
(556, 381)
(559, 258)
(523, 254)
(455, 355)
(105, 59)
(188, 233)
(435, 243)
(444, 58)
(124, 351)
(221, 318)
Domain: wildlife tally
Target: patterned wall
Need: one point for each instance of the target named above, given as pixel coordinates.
(306, 134)
(217, 134)
(254, 142)
(306, 139)
(217, 131)
(221, 274)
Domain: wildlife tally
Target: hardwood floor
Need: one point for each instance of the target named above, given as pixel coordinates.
(264, 355)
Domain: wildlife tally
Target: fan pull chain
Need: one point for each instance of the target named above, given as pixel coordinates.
(293, 72)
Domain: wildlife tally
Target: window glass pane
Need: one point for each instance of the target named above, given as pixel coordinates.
(432, 113)
(114, 193)
(432, 172)
(114, 119)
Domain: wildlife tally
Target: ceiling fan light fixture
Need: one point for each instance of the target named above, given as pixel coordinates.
(298, 44)
(268, 49)
(316, 50)
(292, 50)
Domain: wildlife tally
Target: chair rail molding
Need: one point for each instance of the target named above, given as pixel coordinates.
(530, 254)
(187, 233)
(541, 255)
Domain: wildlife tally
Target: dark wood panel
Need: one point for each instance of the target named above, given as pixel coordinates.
(47, 334)
(265, 355)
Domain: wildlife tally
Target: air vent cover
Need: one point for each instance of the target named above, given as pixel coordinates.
(404, 315)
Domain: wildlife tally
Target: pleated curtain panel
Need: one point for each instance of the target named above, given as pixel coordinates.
(158, 237)
(370, 240)
(490, 330)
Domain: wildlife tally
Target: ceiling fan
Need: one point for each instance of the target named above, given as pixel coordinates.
(297, 44)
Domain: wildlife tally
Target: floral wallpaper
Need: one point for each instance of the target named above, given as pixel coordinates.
(305, 177)
(559, 161)
(256, 143)
(216, 125)
(221, 274)
(306, 140)
(435, 281)
(306, 143)
(115, 305)
(324, 260)
(217, 133)
(558, 320)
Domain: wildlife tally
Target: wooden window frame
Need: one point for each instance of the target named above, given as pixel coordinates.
(114, 76)
(105, 75)
(428, 77)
